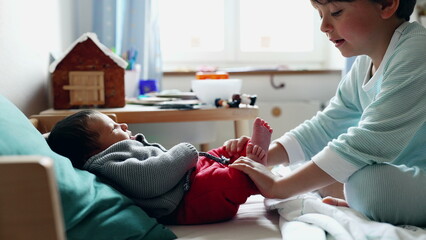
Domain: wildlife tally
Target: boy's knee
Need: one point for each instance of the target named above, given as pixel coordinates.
(386, 193)
(366, 192)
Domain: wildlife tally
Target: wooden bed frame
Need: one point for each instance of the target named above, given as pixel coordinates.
(35, 183)
(45, 123)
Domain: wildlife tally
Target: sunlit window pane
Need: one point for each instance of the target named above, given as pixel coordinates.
(276, 26)
(192, 25)
(238, 32)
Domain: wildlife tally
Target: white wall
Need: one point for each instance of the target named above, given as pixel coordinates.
(29, 31)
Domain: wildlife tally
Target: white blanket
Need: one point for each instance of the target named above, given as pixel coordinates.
(306, 217)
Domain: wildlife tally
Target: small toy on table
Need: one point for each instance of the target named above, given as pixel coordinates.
(211, 75)
(236, 100)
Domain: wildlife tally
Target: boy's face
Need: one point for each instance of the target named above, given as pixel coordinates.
(109, 131)
(351, 26)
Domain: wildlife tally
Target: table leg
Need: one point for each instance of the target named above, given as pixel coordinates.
(241, 128)
(204, 147)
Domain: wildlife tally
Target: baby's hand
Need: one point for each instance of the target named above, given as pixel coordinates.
(235, 146)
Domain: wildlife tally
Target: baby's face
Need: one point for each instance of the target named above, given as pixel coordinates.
(109, 131)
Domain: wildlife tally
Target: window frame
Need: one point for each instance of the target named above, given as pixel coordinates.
(231, 56)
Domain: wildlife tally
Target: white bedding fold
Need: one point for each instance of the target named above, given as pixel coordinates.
(306, 217)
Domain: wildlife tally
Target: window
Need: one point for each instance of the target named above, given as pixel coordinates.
(240, 33)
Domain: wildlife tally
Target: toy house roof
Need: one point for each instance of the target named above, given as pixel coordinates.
(117, 59)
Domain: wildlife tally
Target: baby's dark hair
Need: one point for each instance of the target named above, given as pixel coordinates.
(72, 138)
(405, 9)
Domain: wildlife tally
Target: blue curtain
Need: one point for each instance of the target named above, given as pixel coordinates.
(130, 27)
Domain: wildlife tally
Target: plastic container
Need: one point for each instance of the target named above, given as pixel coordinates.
(209, 89)
(148, 86)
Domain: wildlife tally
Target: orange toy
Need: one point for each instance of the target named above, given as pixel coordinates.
(212, 75)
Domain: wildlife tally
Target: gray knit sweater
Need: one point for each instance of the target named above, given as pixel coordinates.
(155, 178)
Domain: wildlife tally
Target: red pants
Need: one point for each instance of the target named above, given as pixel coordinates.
(216, 191)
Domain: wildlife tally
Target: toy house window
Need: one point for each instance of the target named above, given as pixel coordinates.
(86, 88)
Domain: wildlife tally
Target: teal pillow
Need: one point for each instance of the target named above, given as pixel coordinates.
(91, 209)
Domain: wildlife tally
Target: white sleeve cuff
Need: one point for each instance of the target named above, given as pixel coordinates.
(334, 165)
(293, 148)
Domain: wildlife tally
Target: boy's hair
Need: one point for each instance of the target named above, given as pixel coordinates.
(71, 138)
(405, 9)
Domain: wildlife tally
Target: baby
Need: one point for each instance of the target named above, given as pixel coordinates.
(178, 185)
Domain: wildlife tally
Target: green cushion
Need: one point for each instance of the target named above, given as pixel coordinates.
(91, 209)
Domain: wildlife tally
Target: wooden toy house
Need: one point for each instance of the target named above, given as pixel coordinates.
(88, 75)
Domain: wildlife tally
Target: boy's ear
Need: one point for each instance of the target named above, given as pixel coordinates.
(389, 8)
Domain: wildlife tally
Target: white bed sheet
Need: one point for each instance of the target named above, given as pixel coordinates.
(306, 217)
(253, 221)
(303, 217)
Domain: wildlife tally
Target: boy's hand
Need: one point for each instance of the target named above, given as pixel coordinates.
(234, 146)
(263, 178)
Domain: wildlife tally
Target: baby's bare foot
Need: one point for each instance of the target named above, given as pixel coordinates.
(256, 153)
(261, 137)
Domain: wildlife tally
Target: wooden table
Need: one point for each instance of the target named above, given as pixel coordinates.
(150, 114)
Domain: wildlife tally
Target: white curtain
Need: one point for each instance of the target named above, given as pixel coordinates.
(127, 26)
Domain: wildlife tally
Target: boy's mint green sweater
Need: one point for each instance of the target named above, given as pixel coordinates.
(371, 119)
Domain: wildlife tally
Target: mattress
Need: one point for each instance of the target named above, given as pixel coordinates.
(253, 221)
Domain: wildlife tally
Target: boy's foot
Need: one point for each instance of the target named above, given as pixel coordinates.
(335, 202)
(261, 137)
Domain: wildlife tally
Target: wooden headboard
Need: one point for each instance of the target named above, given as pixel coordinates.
(45, 123)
